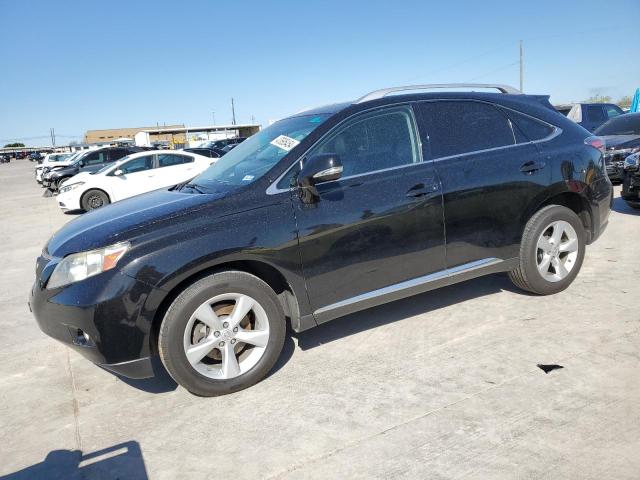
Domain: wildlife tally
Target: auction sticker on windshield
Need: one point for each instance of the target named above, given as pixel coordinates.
(284, 142)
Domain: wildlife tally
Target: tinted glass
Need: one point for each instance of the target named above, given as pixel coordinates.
(528, 129)
(171, 159)
(627, 124)
(455, 128)
(594, 113)
(612, 111)
(95, 158)
(251, 159)
(117, 154)
(374, 141)
(136, 165)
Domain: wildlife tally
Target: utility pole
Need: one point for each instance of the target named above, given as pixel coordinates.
(233, 113)
(213, 114)
(521, 68)
(53, 136)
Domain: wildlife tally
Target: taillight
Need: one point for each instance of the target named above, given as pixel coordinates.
(596, 142)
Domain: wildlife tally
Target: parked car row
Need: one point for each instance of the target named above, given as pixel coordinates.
(90, 179)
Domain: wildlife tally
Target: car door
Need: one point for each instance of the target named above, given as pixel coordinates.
(377, 226)
(489, 178)
(175, 168)
(134, 177)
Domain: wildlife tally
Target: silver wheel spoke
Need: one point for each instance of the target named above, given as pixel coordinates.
(259, 338)
(543, 243)
(243, 306)
(206, 315)
(558, 230)
(230, 365)
(559, 267)
(543, 266)
(570, 245)
(197, 352)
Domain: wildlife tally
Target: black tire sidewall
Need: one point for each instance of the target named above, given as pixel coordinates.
(529, 260)
(170, 340)
(84, 201)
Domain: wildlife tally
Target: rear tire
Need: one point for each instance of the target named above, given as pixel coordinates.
(551, 251)
(222, 334)
(93, 199)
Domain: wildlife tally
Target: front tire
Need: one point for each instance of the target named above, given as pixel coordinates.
(551, 251)
(635, 205)
(222, 334)
(93, 199)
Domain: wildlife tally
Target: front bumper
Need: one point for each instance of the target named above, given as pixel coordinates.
(615, 171)
(68, 201)
(102, 317)
(631, 187)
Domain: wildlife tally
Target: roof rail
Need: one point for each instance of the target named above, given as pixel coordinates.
(376, 94)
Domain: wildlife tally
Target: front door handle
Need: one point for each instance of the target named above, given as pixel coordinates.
(532, 166)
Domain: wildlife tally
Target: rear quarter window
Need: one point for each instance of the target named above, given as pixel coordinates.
(528, 129)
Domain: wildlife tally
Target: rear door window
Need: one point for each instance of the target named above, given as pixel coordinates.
(459, 127)
(171, 159)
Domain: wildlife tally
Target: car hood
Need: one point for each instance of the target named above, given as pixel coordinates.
(125, 220)
(616, 142)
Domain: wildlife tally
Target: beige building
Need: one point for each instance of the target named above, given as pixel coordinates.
(112, 134)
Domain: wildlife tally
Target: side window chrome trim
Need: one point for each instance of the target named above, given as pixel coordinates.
(273, 188)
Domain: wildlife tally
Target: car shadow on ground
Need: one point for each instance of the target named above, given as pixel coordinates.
(620, 206)
(123, 460)
(401, 309)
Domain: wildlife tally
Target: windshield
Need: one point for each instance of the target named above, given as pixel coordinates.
(623, 125)
(254, 157)
(59, 157)
(109, 166)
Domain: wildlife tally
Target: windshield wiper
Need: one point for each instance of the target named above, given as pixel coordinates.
(194, 186)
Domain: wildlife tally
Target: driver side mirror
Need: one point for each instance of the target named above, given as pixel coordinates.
(118, 173)
(324, 167)
(81, 163)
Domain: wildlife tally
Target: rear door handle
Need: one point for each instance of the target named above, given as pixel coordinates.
(420, 190)
(532, 166)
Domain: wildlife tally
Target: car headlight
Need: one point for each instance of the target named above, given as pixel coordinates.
(72, 186)
(78, 266)
(632, 161)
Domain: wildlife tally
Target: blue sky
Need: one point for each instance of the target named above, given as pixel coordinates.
(78, 65)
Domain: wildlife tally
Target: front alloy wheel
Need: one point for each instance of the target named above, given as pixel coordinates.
(222, 334)
(226, 336)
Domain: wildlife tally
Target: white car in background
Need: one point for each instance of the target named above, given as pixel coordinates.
(54, 160)
(132, 175)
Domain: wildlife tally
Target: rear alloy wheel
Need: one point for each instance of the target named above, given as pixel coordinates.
(551, 251)
(94, 199)
(222, 334)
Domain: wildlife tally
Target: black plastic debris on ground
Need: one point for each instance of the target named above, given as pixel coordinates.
(549, 368)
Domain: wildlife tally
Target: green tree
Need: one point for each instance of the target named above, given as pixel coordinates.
(624, 102)
(598, 99)
(18, 144)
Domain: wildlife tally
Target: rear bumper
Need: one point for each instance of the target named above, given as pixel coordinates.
(601, 202)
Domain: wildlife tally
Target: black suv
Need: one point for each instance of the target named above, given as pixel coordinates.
(90, 161)
(322, 214)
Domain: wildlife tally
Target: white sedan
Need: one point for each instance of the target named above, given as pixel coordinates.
(135, 174)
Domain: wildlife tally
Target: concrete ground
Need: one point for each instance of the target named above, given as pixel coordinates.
(443, 385)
